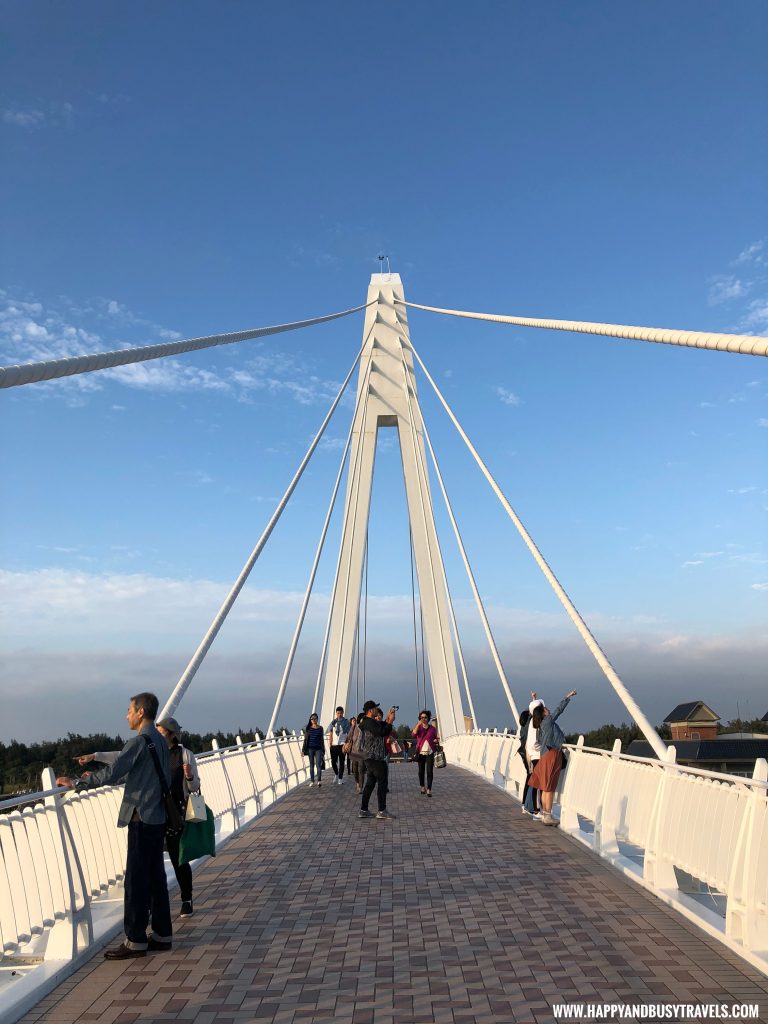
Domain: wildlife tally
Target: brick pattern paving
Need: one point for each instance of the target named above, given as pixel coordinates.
(461, 911)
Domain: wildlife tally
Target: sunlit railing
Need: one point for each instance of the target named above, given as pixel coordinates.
(697, 839)
(62, 859)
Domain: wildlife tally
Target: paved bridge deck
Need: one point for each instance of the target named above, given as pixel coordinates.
(460, 912)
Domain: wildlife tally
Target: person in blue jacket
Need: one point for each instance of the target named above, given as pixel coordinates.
(547, 772)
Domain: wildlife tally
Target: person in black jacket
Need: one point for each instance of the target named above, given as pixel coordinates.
(374, 750)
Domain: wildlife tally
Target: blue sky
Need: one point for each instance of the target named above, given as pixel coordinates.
(190, 169)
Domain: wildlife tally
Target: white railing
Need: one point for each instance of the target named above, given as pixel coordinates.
(62, 860)
(697, 839)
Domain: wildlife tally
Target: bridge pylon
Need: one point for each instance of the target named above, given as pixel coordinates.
(387, 397)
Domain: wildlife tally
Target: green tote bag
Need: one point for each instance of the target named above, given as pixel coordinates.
(198, 839)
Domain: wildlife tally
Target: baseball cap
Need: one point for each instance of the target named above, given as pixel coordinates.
(370, 704)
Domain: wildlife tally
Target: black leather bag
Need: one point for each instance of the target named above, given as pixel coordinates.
(174, 816)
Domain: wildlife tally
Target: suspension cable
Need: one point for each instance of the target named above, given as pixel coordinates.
(415, 635)
(473, 584)
(33, 373)
(353, 471)
(189, 672)
(354, 478)
(451, 610)
(365, 617)
(310, 583)
(421, 487)
(629, 702)
(742, 344)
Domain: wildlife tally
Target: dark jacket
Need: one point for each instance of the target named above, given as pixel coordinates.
(372, 745)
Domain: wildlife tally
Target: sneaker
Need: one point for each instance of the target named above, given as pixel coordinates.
(537, 816)
(385, 815)
(364, 814)
(423, 790)
(428, 793)
(186, 908)
(318, 785)
(547, 819)
(341, 781)
(311, 785)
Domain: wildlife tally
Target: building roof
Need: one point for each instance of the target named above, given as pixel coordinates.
(765, 717)
(707, 750)
(686, 712)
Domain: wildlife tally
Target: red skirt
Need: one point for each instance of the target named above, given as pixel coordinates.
(547, 772)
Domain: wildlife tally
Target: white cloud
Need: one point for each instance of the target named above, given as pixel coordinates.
(742, 490)
(697, 561)
(725, 288)
(507, 397)
(756, 317)
(760, 586)
(24, 118)
(754, 253)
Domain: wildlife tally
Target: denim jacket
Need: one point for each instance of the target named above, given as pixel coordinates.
(551, 736)
(135, 767)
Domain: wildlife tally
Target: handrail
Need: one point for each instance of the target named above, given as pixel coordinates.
(681, 832)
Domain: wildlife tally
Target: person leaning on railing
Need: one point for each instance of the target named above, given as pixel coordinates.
(140, 765)
(547, 772)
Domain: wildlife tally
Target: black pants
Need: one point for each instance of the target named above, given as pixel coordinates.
(426, 766)
(376, 772)
(337, 759)
(146, 889)
(183, 871)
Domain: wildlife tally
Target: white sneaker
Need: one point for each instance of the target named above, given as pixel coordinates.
(311, 785)
(341, 781)
(536, 817)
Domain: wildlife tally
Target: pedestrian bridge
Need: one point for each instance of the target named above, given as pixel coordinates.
(653, 890)
(460, 910)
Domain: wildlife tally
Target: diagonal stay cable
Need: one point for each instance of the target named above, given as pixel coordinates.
(189, 672)
(742, 344)
(451, 611)
(472, 583)
(311, 581)
(345, 525)
(33, 373)
(610, 673)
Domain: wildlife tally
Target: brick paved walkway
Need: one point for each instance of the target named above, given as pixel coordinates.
(301, 920)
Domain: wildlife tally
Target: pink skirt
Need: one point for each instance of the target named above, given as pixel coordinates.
(547, 772)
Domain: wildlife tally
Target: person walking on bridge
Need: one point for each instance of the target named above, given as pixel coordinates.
(427, 742)
(314, 749)
(337, 737)
(139, 765)
(374, 749)
(547, 772)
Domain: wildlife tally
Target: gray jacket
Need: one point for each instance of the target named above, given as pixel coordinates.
(135, 766)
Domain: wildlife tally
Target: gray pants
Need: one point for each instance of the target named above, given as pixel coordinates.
(358, 770)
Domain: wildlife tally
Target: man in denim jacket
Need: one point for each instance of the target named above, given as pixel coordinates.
(142, 812)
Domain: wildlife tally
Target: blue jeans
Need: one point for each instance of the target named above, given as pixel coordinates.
(315, 758)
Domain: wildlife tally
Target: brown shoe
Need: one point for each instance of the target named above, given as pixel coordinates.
(122, 952)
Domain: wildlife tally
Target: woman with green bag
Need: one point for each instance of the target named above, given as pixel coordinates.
(184, 781)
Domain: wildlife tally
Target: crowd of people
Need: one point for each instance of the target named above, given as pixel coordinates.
(160, 776)
(361, 746)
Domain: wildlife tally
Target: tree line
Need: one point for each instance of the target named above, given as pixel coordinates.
(22, 763)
